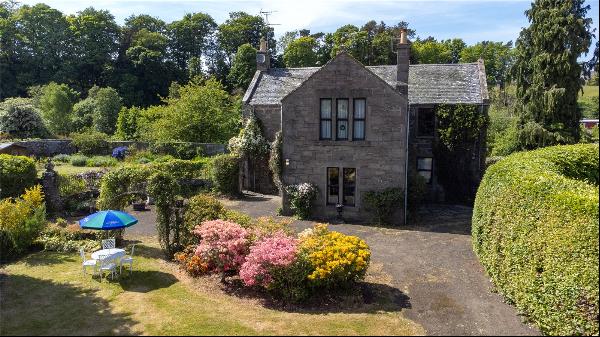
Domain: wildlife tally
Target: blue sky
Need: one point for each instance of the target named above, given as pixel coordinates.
(470, 20)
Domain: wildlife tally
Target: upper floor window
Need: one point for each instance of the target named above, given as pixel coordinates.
(342, 119)
(325, 124)
(425, 122)
(360, 111)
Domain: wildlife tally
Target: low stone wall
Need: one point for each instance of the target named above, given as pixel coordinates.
(52, 147)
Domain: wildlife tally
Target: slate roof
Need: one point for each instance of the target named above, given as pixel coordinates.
(427, 83)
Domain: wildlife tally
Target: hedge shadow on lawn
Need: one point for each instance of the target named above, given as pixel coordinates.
(363, 297)
(48, 259)
(32, 306)
(145, 281)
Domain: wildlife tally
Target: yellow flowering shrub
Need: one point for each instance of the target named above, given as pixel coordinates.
(336, 258)
(21, 220)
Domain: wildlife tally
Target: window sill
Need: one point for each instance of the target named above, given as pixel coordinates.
(343, 142)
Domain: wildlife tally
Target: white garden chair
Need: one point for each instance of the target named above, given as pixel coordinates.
(86, 263)
(128, 259)
(107, 265)
(108, 244)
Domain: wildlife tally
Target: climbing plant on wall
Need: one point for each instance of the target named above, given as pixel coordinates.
(459, 128)
(276, 161)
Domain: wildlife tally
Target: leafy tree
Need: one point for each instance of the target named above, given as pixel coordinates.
(244, 67)
(95, 44)
(352, 40)
(382, 51)
(498, 58)
(20, 119)
(301, 52)
(42, 45)
(285, 40)
(56, 105)
(107, 105)
(456, 47)
(190, 37)
(242, 28)
(430, 51)
(547, 73)
(324, 51)
(83, 114)
(128, 123)
(203, 112)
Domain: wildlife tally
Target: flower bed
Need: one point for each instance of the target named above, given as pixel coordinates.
(266, 256)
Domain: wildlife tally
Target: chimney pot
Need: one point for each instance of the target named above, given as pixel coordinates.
(263, 45)
(403, 36)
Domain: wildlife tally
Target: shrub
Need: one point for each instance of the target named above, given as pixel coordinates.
(116, 183)
(79, 160)
(101, 161)
(274, 252)
(69, 185)
(224, 173)
(223, 245)
(179, 150)
(200, 208)
(301, 198)
(276, 159)
(417, 189)
(337, 260)
(239, 218)
(60, 237)
(91, 142)
(535, 230)
(267, 226)
(164, 189)
(62, 158)
(20, 119)
(16, 174)
(384, 203)
(190, 262)
(21, 220)
(250, 141)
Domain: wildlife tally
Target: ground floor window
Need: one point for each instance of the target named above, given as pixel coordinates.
(425, 168)
(333, 185)
(349, 186)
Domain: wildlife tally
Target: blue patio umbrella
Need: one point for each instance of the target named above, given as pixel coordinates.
(107, 220)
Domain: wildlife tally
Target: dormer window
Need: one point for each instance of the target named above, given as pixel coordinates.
(325, 124)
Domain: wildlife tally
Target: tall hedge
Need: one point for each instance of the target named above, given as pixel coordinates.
(16, 174)
(535, 230)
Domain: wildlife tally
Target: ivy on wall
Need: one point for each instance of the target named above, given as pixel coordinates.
(276, 160)
(459, 128)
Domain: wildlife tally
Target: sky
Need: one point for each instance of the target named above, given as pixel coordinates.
(471, 20)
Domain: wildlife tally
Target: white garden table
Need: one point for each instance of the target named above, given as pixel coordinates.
(111, 254)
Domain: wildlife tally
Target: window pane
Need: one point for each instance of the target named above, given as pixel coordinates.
(359, 130)
(342, 108)
(326, 108)
(326, 129)
(426, 122)
(426, 175)
(425, 164)
(342, 129)
(349, 186)
(359, 108)
(333, 185)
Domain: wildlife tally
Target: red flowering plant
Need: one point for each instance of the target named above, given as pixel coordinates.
(268, 253)
(223, 245)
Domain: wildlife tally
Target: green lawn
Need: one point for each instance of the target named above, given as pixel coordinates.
(590, 91)
(45, 293)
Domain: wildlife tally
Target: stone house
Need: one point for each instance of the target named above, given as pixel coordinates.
(350, 128)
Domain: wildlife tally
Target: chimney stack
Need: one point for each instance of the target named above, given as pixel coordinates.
(403, 61)
(263, 59)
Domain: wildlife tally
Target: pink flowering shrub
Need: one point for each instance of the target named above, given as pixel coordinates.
(223, 244)
(268, 253)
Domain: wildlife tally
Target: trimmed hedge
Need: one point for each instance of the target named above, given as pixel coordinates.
(224, 174)
(535, 230)
(16, 174)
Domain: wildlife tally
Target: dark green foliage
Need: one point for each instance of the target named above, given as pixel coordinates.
(301, 52)
(91, 142)
(276, 160)
(224, 173)
(56, 106)
(244, 67)
(459, 130)
(417, 188)
(383, 204)
(178, 150)
(16, 174)
(164, 189)
(535, 230)
(547, 71)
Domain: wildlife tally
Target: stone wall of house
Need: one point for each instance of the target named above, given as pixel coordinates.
(379, 159)
(52, 147)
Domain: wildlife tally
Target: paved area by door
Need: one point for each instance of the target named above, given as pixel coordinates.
(433, 263)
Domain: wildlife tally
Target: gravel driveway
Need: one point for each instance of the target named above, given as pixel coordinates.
(431, 261)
